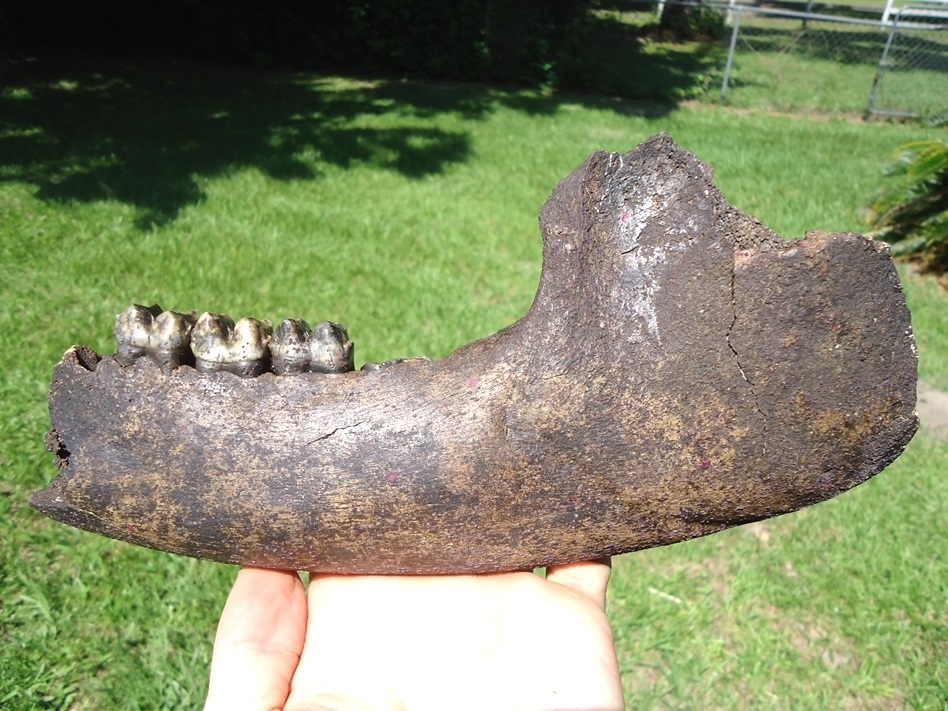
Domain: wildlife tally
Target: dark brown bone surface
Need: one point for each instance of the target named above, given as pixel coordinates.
(681, 370)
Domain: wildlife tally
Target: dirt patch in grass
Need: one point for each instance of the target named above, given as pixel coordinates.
(932, 409)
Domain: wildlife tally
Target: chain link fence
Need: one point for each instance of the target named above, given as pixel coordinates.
(913, 72)
(891, 62)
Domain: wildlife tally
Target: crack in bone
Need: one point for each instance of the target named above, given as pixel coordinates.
(333, 432)
(737, 358)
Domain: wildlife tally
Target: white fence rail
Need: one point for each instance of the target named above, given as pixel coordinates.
(899, 56)
(917, 44)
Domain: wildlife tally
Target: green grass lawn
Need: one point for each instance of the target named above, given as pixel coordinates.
(408, 212)
(780, 64)
(830, 67)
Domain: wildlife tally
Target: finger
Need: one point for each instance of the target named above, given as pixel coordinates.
(349, 630)
(259, 641)
(589, 578)
(362, 701)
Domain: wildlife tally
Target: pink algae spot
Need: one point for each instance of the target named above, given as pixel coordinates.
(472, 382)
(132, 529)
(705, 463)
(392, 476)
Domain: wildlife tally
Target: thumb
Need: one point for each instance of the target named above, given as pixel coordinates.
(259, 641)
(588, 578)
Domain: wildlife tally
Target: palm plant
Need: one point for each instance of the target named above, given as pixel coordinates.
(911, 210)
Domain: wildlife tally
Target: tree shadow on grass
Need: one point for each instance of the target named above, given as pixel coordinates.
(149, 134)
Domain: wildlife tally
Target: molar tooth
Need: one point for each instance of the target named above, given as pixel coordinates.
(209, 340)
(289, 350)
(169, 343)
(133, 330)
(330, 349)
(250, 342)
(241, 348)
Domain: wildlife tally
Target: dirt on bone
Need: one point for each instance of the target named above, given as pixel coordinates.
(680, 371)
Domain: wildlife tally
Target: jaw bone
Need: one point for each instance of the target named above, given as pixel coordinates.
(682, 370)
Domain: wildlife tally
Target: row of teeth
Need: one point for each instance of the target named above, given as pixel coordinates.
(212, 342)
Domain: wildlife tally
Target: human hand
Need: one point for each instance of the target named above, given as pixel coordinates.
(412, 643)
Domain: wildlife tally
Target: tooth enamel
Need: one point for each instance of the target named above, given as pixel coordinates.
(132, 332)
(289, 351)
(209, 338)
(214, 342)
(330, 349)
(164, 336)
(169, 343)
(241, 348)
(251, 339)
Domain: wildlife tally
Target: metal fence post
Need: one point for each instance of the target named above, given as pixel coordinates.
(730, 53)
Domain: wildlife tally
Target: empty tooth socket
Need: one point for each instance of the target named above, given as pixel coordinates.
(371, 365)
(220, 344)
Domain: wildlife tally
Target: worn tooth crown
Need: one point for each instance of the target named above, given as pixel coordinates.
(133, 330)
(164, 336)
(330, 349)
(295, 348)
(172, 330)
(169, 343)
(289, 349)
(250, 339)
(214, 342)
(220, 344)
(210, 338)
